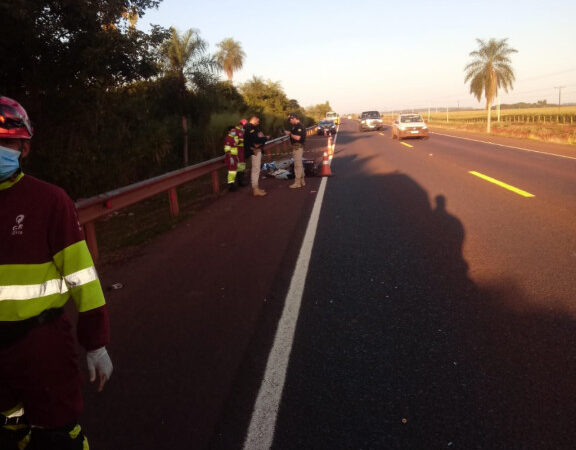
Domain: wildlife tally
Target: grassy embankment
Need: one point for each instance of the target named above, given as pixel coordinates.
(552, 124)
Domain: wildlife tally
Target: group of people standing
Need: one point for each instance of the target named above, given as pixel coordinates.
(246, 141)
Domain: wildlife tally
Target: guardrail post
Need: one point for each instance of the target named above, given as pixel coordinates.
(215, 182)
(90, 232)
(173, 198)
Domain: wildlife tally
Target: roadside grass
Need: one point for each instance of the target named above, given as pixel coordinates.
(549, 112)
(122, 232)
(550, 132)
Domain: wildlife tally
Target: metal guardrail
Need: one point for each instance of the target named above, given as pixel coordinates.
(94, 208)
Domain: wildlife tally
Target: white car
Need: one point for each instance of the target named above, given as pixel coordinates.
(409, 125)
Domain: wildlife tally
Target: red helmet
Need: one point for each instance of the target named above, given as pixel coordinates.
(14, 122)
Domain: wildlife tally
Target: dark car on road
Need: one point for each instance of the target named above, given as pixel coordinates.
(326, 127)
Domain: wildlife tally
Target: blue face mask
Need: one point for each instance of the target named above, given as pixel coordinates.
(8, 162)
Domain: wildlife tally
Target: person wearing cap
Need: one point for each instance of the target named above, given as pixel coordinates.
(254, 141)
(43, 262)
(297, 139)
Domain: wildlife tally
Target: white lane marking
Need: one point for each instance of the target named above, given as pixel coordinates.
(504, 145)
(263, 423)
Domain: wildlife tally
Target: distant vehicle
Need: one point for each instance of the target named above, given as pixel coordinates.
(370, 120)
(326, 127)
(349, 116)
(331, 115)
(409, 125)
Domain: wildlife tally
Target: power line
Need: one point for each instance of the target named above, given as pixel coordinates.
(559, 94)
(548, 75)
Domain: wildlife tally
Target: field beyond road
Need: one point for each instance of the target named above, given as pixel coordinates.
(550, 124)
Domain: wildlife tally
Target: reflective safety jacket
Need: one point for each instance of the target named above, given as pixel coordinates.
(44, 259)
(240, 134)
(231, 142)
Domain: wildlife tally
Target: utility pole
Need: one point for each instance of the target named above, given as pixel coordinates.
(559, 94)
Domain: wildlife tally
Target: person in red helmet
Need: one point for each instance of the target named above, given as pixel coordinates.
(44, 260)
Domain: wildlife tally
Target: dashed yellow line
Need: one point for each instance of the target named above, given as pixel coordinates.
(502, 184)
(381, 134)
(406, 145)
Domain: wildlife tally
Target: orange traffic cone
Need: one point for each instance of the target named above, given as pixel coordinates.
(330, 146)
(326, 171)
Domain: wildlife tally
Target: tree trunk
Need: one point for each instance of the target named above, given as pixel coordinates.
(489, 107)
(185, 133)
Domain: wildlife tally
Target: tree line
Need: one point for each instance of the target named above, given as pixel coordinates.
(111, 104)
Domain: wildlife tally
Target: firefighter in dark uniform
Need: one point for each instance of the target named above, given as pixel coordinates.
(297, 139)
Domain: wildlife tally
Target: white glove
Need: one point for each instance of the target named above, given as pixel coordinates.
(99, 363)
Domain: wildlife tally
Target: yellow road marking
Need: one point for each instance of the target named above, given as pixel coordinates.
(407, 145)
(501, 184)
(381, 134)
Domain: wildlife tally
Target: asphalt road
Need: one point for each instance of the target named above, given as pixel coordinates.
(438, 309)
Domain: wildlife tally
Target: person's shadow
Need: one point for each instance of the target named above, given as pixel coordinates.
(402, 350)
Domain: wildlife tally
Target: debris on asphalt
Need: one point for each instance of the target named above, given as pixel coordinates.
(115, 286)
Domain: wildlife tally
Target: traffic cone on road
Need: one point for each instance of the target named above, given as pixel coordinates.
(325, 171)
(330, 146)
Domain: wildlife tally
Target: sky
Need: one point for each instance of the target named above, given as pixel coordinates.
(386, 55)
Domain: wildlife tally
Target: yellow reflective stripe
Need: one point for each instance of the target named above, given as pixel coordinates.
(7, 184)
(28, 273)
(73, 258)
(14, 310)
(88, 296)
(75, 431)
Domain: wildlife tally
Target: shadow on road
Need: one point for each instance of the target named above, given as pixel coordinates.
(397, 348)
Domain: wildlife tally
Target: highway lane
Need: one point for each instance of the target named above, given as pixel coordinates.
(438, 310)
(531, 240)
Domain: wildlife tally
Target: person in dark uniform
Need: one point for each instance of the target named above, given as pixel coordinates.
(297, 139)
(254, 141)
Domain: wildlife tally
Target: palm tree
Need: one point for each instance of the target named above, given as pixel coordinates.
(230, 56)
(489, 70)
(184, 56)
